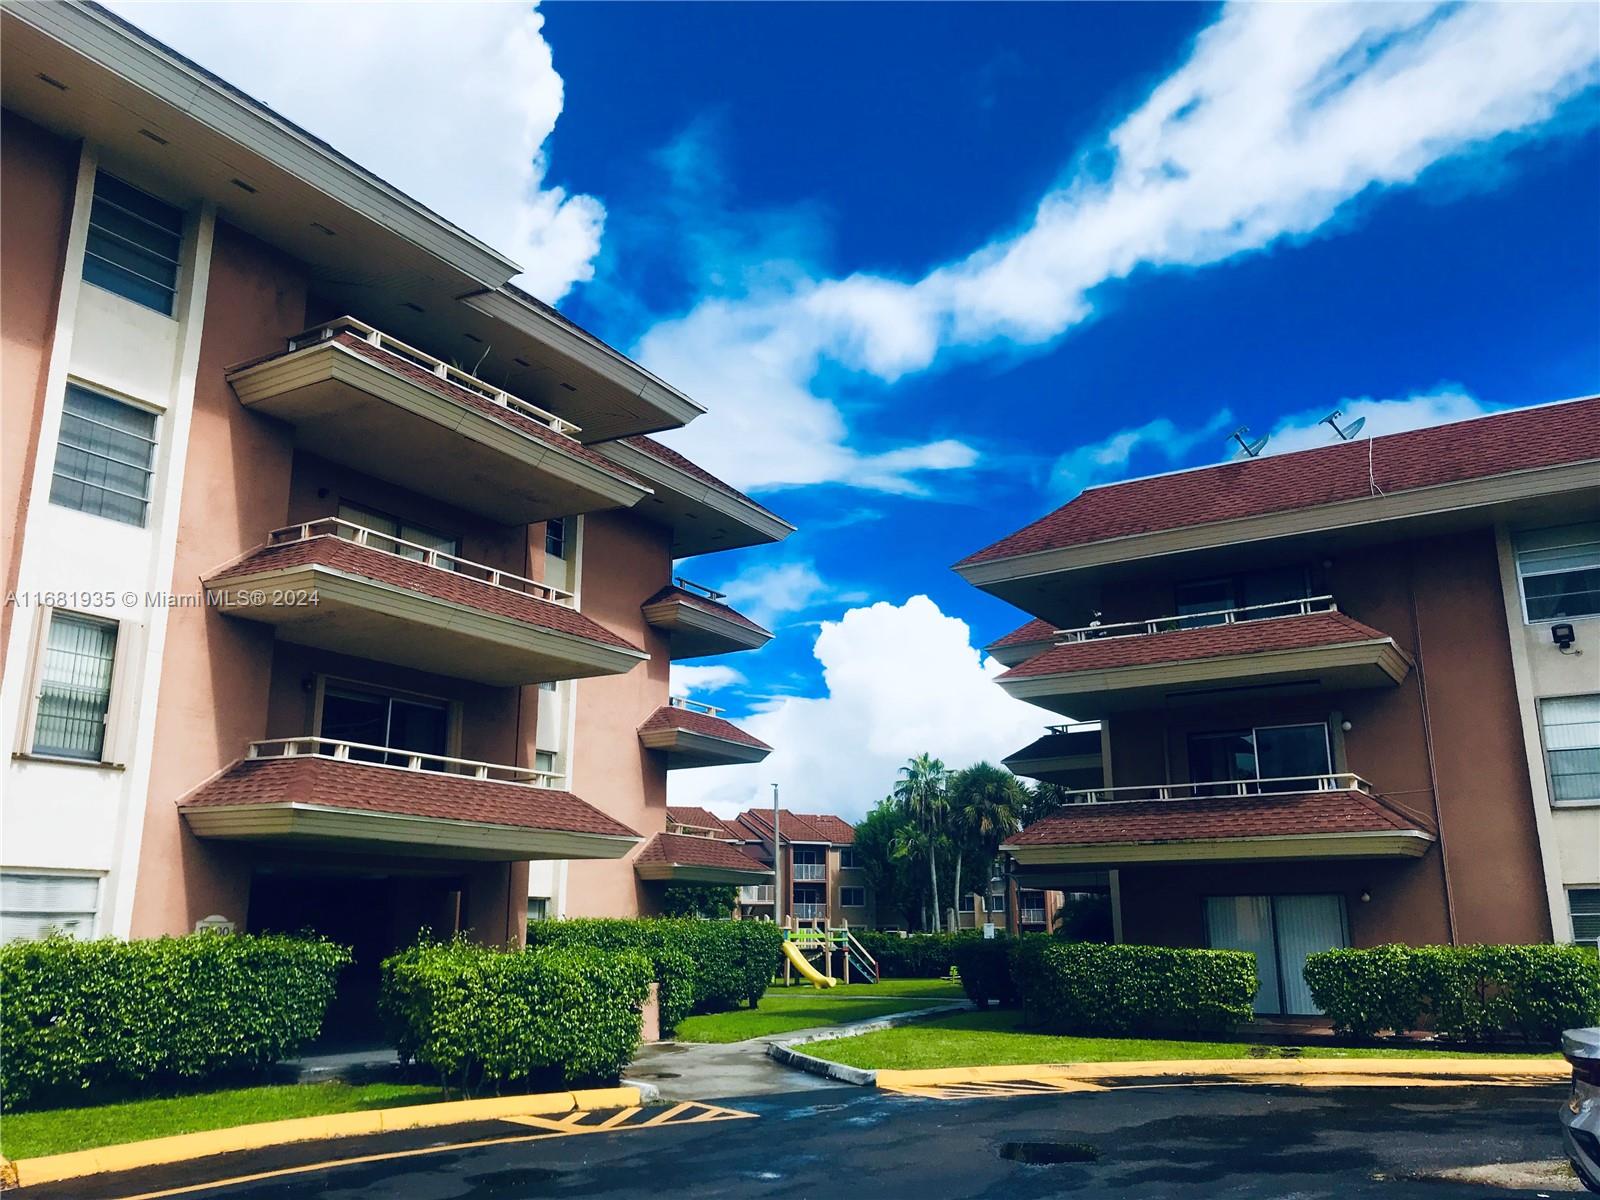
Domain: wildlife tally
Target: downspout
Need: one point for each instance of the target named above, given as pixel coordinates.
(1427, 739)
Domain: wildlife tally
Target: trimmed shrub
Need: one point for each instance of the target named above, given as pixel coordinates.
(985, 968)
(917, 955)
(483, 1016)
(1463, 993)
(1085, 987)
(131, 1015)
(702, 966)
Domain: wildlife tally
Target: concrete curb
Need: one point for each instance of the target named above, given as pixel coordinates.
(784, 1052)
(184, 1147)
(1288, 1070)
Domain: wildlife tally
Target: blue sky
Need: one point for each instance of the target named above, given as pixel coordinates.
(933, 267)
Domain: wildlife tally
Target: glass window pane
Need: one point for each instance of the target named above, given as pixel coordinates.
(75, 689)
(1562, 594)
(355, 717)
(1221, 757)
(34, 906)
(1273, 587)
(1584, 904)
(1204, 596)
(104, 457)
(1571, 729)
(423, 728)
(1292, 751)
(1560, 569)
(134, 244)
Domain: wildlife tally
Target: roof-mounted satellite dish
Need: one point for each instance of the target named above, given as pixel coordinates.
(1346, 433)
(1251, 446)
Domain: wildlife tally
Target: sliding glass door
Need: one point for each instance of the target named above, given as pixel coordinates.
(1281, 931)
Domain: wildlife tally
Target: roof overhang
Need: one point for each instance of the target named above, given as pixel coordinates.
(1017, 653)
(1097, 693)
(683, 748)
(382, 621)
(328, 827)
(695, 632)
(352, 410)
(674, 872)
(1407, 843)
(702, 518)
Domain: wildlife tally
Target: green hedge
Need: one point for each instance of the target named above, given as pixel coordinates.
(483, 1016)
(917, 955)
(1085, 987)
(986, 969)
(125, 1016)
(702, 966)
(1464, 993)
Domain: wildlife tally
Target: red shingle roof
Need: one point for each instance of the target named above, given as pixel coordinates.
(371, 788)
(1185, 645)
(672, 458)
(669, 716)
(701, 818)
(792, 826)
(840, 832)
(683, 850)
(704, 604)
(341, 554)
(1520, 440)
(1034, 631)
(1222, 817)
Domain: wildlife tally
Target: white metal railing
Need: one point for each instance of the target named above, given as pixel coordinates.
(699, 831)
(312, 746)
(1292, 785)
(1198, 620)
(398, 547)
(1031, 916)
(756, 893)
(810, 872)
(701, 589)
(1074, 727)
(811, 912)
(433, 364)
(688, 705)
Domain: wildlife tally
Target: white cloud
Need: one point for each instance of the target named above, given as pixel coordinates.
(899, 679)
(1160, 441)
(766, 591)
(1281, 116)
(1304, 430)
(451, 103)
(687, 679)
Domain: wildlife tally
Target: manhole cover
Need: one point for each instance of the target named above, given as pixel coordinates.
(1049, 1153)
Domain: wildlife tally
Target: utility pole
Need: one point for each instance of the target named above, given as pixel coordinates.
(777, 863)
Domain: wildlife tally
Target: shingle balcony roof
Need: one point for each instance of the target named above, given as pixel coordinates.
(701, 624)
(1551, 435)
(666, 454)
(693, 738)
(792, 827)
(702, 818)
(839, 831)
(683, 857)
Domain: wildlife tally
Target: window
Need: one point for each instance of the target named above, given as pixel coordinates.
(1584, 905)
(1560, 571)
(1276, 586)
(538, 908)
(852, 897)
(544, 760)
(32, 906)
(402, 723)
(74, 695)
(847, 859)
(1283, 752)
(1571, 729)
(405, 531)
(104, 457)
(995, 902)
(968, 903)
(134, 244)
(555, 537)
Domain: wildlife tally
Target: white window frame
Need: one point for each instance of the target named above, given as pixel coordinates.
(1522, 576)
(847, 859)
(96, 915)
(844, 893)
(1544, 748)
(151, 482)
(1572, 917)
(118, 719)
(346, 683)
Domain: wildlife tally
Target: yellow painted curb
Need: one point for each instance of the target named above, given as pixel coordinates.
(1463, 1068)
(183, 1147)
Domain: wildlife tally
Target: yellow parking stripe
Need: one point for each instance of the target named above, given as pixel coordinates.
(621, 1121)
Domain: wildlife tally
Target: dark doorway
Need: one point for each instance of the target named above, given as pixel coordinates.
(374, 915)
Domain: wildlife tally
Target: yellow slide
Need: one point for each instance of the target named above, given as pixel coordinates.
(807, 972)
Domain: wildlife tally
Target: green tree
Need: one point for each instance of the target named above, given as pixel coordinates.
(984, 802)
(894, 889)
(711, 900)
(921, 793)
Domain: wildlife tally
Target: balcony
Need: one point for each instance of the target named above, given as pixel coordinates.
(342, 587)
(698, 623)
(811, 912)
(1067, 755)
(332, 795)
(1031, 916)
(759, 893)
(683, 858)
(356, 396)
(691, 734)
(1287, 648)
(1335, 816)
(810, 872)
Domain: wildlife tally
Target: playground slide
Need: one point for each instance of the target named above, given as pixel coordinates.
(807, 972)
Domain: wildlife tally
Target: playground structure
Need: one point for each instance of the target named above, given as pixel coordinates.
(825, 955)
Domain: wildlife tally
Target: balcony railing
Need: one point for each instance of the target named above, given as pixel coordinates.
(698, 589)
(756, 893)
(1199, 620)
(1032, 916)
(810, 872)
(811, 912)
(397, 547)
(437, 366)
(403, 760)
(1296, 785)
(688, 705)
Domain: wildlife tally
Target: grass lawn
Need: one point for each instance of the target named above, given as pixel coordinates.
(783, 1010)
(55, 1131)
(997, 1038)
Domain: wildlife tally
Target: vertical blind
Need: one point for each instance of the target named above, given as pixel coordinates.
(1571, 727)
(75, 691)
(105, 457)
(32, 906)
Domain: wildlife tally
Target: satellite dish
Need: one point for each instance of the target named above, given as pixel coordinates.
(1344, 433)
(1251, 446)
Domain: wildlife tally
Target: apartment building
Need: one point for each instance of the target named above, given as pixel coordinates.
(821, 880)
(1347, 696)
(340, 571)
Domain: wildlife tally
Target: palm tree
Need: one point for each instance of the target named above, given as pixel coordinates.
(984, 803)
(920, 792)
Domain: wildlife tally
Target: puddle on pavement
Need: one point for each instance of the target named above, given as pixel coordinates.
(1042, 1154)
(655, 1075)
